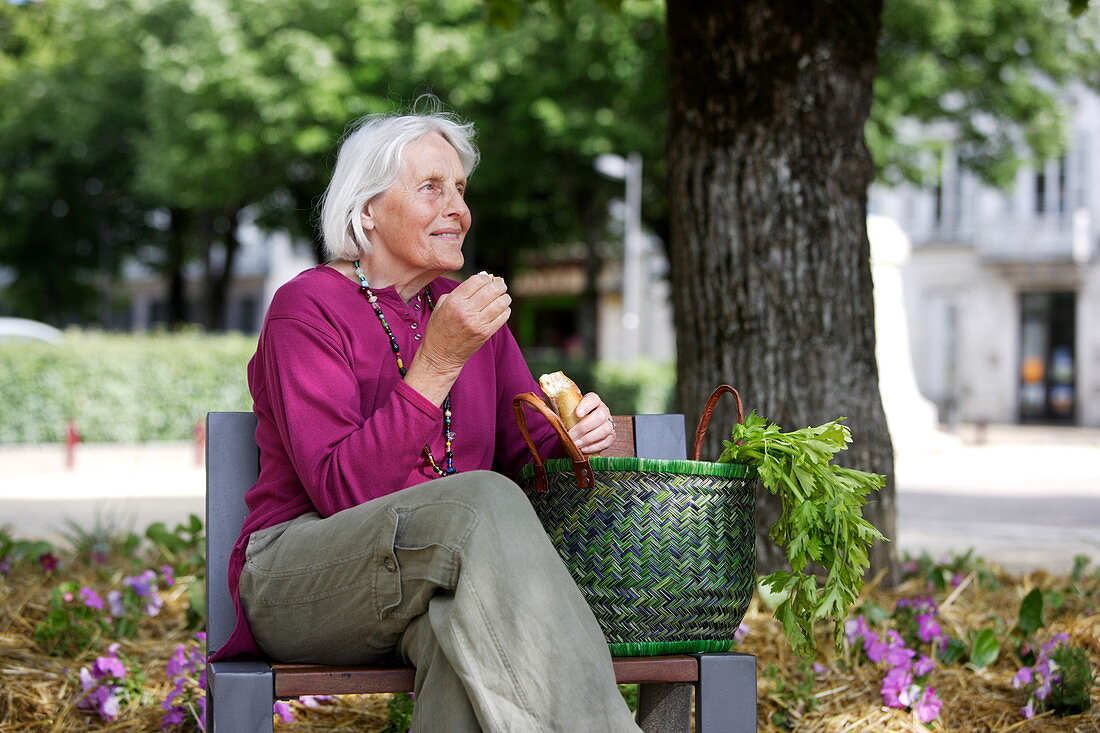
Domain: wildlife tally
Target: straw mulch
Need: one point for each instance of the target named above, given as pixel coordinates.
(38, 692)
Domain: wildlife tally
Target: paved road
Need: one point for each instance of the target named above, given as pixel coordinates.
(1023, 498)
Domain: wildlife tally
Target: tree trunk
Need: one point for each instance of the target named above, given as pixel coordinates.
(177, 258)
(770, 262)
(217, 276)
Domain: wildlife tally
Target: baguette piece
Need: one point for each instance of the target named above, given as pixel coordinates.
(564, 396)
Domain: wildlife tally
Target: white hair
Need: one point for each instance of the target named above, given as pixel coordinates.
(369, 162)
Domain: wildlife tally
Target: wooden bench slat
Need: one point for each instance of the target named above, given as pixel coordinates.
(292, 680)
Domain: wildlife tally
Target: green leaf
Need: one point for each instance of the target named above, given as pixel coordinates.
(1030, 618)
(984, 648)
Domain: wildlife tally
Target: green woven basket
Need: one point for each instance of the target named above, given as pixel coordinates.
(663, 550)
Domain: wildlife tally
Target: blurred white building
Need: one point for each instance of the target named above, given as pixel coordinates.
(264, 261)
(1002, 288)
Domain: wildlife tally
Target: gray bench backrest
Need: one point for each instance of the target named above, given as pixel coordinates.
(233, 463)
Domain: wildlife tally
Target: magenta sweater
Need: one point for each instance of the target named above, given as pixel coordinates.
(337, 424)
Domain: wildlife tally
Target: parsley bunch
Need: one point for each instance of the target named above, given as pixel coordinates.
(822, 520)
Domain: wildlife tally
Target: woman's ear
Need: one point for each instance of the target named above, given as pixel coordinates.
(366, 217)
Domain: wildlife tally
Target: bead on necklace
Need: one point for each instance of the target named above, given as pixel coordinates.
(448, 434)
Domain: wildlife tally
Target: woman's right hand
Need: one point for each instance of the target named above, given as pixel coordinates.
(462, 322)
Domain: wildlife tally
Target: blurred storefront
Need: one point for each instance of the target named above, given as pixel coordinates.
(1003, 286)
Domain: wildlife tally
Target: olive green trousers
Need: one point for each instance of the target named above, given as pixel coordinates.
(455, 577)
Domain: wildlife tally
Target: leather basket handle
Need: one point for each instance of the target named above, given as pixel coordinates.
(582, 469)
(708, 410)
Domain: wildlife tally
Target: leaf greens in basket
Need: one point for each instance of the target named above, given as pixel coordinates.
(822, 520)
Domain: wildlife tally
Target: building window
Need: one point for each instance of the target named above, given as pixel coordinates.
(937, 191)
(1062, 185)
(1040, 192)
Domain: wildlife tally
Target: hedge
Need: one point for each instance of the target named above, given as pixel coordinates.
(120, 387)
(156, 386)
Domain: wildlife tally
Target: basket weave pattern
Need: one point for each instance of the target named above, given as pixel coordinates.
(662, 550)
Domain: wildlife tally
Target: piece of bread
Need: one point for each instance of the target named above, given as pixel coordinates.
(564, 396)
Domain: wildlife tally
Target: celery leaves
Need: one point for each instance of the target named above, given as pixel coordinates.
(821, 522)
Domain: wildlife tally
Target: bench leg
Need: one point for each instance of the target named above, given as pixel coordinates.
(664, 708)
(239, 697)
(726, 697)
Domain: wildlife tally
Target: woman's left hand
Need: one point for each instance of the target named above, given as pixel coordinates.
(595, 432)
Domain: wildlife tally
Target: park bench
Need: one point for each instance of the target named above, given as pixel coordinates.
(241, 693)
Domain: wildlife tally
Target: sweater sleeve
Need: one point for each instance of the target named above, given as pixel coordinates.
(513, 378)
(342, 457)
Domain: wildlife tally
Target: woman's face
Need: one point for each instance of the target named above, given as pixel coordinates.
(418, 224)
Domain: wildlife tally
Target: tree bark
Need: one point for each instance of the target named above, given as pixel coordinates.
(177, 258)
(770, 262)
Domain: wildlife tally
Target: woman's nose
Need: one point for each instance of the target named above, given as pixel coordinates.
(456, 205)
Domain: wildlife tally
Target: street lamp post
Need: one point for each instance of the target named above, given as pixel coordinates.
(629, 169)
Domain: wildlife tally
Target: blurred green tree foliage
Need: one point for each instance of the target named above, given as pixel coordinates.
(149, 129)
(991, 75)
(206, 112)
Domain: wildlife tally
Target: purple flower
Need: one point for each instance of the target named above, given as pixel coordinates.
(1055, 641)
(927, 628)
(1028, 711)
(6, 564)
(875, 649)
(282, 709)
(741, 633)
(104, 700)
(819, 668)
(895, 687)
(174, 716)
(929, 706)
(168, 575)
(1023, 677)
(1042, 692)
(178, 663)
(87, 682)
(48, 562)
(856, 628)
(114, 600)
(314, 701)
(143, 584)
(100, 557)
(108, 666)
(91, 598)
(923, 665)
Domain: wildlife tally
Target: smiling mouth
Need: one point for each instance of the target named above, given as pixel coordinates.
(454, 236)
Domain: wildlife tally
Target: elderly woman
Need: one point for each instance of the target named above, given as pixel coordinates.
(381, 525)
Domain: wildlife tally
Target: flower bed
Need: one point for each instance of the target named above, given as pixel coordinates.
(105, 635)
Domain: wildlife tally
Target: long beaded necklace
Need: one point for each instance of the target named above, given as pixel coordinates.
(448, 434)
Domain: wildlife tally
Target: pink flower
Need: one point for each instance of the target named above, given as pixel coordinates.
(741, 633)
(929, 706)
(895, 687)
(314, 701)
(282, 709)
(91, 598)
(168, 575)
(875, 649)
(927, 628)
(1023, 677)
(923, 665)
